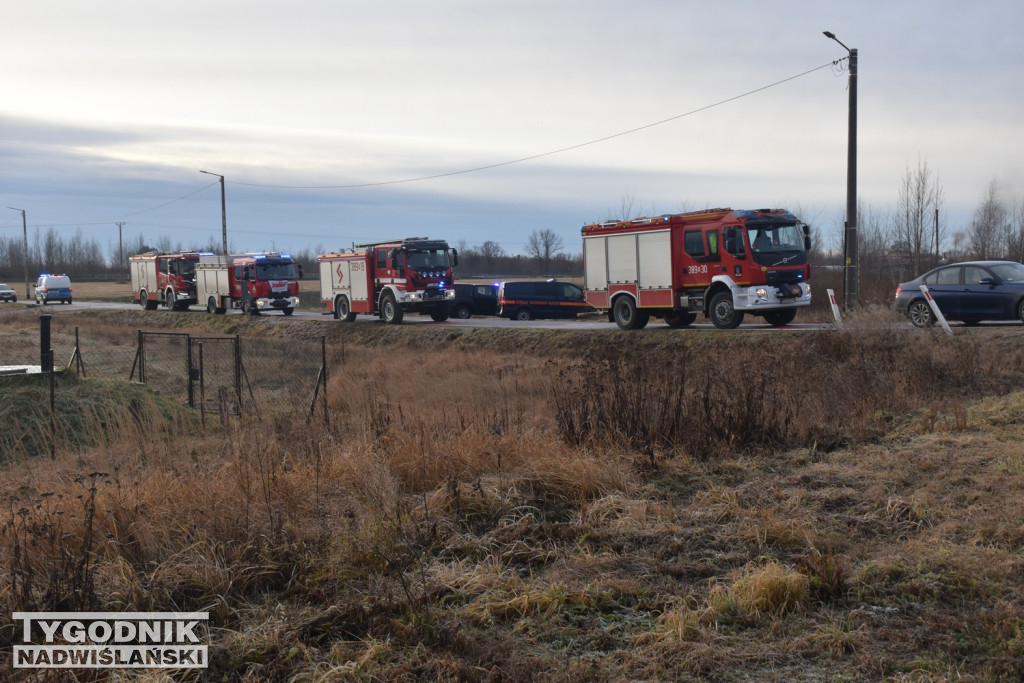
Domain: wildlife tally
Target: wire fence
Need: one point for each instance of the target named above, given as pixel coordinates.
(230, 376)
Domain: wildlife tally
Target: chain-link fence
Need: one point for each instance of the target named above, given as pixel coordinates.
(230, 376)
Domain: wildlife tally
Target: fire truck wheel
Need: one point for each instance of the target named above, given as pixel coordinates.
(390, 310)
(680, 319)
(169, 301)
(723, 314)
(211, 305)
(780, 317)
(288, 311)
(440, 315)
(343, 310)
(626, 315)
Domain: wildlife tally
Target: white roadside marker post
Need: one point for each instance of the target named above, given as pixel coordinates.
(935, 310)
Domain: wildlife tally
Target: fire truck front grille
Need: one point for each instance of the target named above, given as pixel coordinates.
(784, 277)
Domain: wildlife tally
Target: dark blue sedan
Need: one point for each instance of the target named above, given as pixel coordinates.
(972, 291)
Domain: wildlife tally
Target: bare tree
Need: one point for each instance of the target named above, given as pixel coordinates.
(490, 252)
(1015, 244)
(543, 245)
(990, 226)
(914, 228)
(873, 244)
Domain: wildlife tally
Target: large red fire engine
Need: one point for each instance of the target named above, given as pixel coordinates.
(167, 279)
(252, 282)
(389, 279)
(720, 262)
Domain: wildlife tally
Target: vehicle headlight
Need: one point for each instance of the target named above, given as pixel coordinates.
(807, 290)
(762, 294)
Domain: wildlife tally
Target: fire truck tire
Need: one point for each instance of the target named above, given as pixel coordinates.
(145, 302)
(722, 312)
(781, 317)
(680, 319)
(390, 311)
(441, 314)
(524, 314)
(626, 315)
(342, 310)
(288, 311)
(169, 301)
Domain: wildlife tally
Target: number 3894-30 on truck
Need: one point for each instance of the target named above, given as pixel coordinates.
(720, 262)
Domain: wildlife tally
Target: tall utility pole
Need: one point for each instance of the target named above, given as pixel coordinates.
(24, 249)
(120, 246)
(223, 210)
(850, 236)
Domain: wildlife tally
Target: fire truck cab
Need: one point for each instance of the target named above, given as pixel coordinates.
(168, 279)
(266, 281)
(720, 262)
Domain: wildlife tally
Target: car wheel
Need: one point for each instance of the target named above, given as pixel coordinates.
(920, 313)
(463, 311)
(1020, 311)
(678, 319)
(780, 317)
(524, 314)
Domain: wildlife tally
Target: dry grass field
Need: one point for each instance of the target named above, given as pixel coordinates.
(514, 504)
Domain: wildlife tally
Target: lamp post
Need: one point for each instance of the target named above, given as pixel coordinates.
(120, 246)
(223, 211)
(850, 236)
(24, 249)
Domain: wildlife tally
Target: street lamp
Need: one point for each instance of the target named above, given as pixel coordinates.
(120, 246)
(24, 249)
(223, 211)
(850, 236)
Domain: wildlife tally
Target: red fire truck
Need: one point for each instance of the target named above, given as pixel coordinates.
(168, 279)
(252, 282)
(719, 262)
(389, 279)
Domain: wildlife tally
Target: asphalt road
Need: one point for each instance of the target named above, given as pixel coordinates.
(753, 323)
(411, 319)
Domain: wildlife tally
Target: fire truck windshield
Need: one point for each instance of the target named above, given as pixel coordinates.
(426, 259)
(275, 270)
(775, 238)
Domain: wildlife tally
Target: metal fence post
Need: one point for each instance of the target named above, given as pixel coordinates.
(202, 389)
(191, 372)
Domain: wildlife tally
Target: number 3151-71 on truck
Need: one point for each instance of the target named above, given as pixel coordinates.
(720, 262)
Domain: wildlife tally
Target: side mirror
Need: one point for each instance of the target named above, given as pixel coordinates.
(455, 258)
(807, 237)
(300, 270)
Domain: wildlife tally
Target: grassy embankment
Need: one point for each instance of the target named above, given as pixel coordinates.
(507, 504)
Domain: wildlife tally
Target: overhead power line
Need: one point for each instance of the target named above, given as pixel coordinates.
(553, 152)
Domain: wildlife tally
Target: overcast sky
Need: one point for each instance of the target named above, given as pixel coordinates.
(318, 111)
